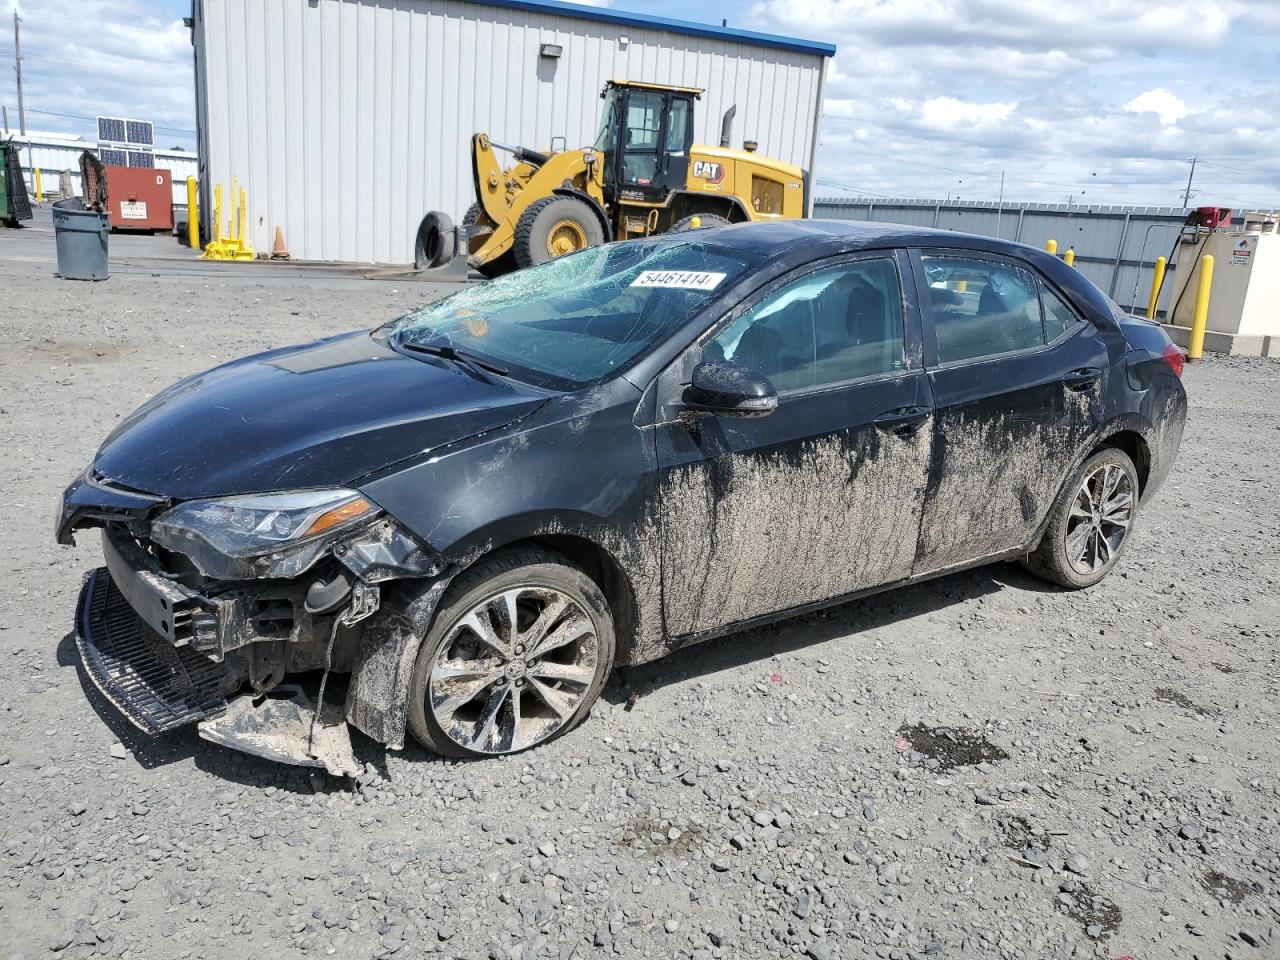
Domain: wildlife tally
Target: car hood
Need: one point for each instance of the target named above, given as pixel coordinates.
(317, 415)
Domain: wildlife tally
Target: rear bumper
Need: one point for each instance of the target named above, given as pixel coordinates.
(157, 686)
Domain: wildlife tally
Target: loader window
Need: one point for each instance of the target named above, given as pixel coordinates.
(579, 318)
(644, 120)
(644, 126)
(678, 126)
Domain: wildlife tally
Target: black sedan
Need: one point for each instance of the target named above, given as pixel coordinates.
(459, 522)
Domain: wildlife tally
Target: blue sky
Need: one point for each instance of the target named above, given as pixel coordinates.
(1100, 100)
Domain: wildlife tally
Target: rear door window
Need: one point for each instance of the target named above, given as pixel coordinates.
(982, 307)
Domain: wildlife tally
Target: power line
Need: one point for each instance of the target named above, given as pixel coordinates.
(76, 116)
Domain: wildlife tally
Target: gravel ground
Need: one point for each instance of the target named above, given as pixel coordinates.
(978, 767)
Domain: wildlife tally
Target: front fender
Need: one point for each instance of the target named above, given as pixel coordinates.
(595, 206)
(378, 695)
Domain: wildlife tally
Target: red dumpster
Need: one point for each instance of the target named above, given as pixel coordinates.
(139, 198)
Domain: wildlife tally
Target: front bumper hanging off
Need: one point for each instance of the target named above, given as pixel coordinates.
(158, 686)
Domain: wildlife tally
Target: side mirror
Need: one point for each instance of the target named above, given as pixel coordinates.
(722, 388)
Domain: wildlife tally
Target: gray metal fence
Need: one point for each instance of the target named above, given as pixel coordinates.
(1116, 247)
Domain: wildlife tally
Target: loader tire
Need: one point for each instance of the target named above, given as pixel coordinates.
(705, 222)
(436, 243)
(554, 226)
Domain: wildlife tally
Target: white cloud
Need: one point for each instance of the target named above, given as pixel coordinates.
(1108, 97)
(1102, 100)
(951, 115)
(1165, 105)
(85, 58)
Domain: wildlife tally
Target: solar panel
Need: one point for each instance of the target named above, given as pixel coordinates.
(139, 132)
(111, 157)
(111, 129)
(141, 158)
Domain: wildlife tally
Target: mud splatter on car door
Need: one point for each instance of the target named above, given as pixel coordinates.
(1016, 392)
(823, 496)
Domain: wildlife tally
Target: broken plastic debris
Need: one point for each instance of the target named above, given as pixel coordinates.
(775, 678)
(631, 701)
(278, 727)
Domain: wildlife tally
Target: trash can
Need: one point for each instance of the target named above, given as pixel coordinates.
(81, 236)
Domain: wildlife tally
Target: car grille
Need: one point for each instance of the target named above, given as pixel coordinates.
(155, 685)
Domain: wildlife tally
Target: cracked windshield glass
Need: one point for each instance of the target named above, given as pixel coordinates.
(577, 319)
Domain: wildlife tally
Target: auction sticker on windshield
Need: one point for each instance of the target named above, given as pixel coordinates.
(679, 279)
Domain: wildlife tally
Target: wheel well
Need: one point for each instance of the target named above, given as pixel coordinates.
(1135, 447)
(601, 567)
(687, 204)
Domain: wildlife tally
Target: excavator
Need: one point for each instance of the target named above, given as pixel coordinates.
(643, 176)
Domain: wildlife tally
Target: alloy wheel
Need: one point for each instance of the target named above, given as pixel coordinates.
(513, 670)
(1099, 520)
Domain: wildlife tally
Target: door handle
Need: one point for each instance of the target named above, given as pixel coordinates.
(1082, 379)
(903, 421)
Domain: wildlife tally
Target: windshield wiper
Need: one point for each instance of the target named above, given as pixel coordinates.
(469, 361)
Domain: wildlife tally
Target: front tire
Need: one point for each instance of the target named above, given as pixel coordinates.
(553, 227)
(480, 687)
(1091, 522)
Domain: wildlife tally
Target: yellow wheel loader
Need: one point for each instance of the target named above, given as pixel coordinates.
(644, 175)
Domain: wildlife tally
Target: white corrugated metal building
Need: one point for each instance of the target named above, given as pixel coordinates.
(347, 120)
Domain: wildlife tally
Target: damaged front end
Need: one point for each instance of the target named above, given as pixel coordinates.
(205, 607)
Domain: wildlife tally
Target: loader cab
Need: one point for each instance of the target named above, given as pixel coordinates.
(646, 131)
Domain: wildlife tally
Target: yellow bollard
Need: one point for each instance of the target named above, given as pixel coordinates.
(217, 212)
(244, 205)
(695, 223)
(1051, 246)
(39, 192)
(1156, 283)
(193, 223)
(1195, 347)
(962, 286)
(1069, 258)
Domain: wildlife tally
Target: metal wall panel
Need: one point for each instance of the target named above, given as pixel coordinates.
(1115, 246)
(347, 120)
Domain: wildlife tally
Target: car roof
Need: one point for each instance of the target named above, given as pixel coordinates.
(779, 238)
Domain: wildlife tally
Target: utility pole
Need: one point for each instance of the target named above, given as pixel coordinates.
(17, 66)
(1186, 194)
(5, 111)
(1000, 205)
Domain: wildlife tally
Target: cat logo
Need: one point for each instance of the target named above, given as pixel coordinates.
(709, 171)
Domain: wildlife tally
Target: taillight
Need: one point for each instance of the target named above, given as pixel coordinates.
(1175, 358)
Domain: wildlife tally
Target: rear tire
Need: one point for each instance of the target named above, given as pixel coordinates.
(555, 226)
(1090, 523)
(451, 659)
(436, 242)
(706, 221)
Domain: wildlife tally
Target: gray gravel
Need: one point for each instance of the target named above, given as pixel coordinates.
(787, 792)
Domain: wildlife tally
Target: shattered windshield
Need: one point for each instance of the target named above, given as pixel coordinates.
(579, 318)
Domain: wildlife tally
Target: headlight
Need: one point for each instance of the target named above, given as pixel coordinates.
(271, 535)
